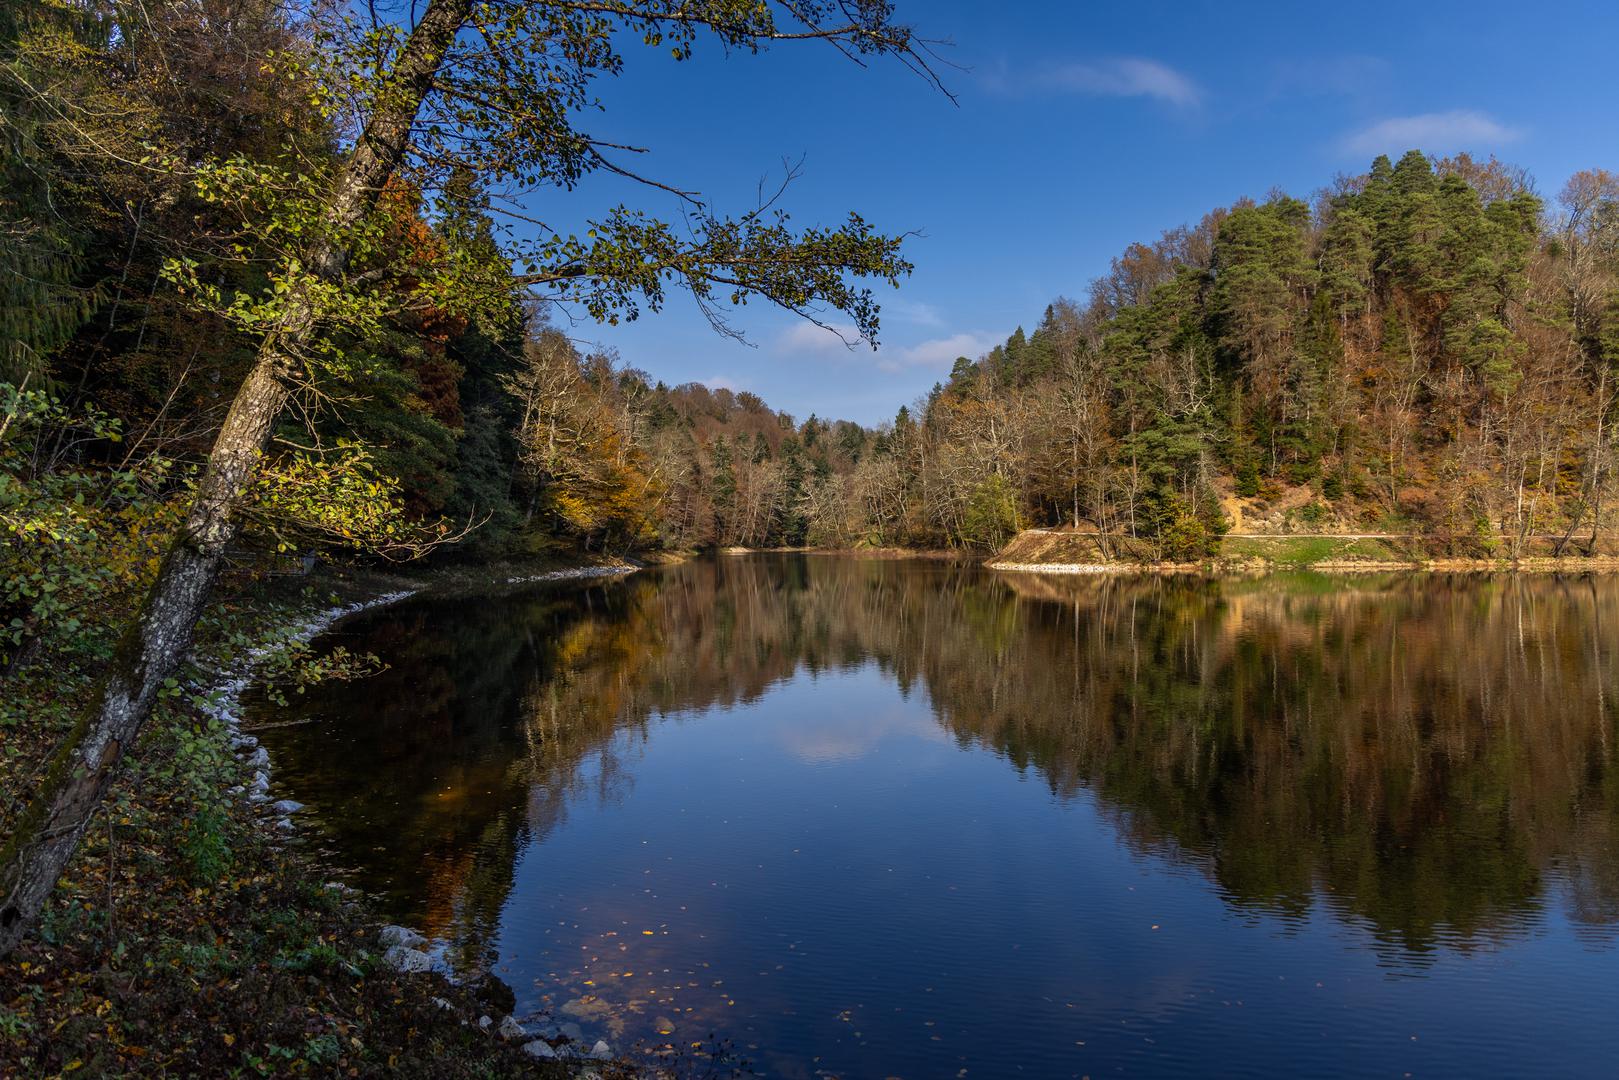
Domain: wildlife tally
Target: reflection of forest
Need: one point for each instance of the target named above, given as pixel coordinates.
(1419, 750)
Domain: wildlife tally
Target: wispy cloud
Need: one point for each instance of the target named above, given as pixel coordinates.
(807, 337)
(844, 735)
(1439, 132)
(804, 336)
(939, 353)
(723, 382)
(1123, 76)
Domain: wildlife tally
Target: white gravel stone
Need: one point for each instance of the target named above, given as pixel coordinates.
(400, 935)
(407, 961)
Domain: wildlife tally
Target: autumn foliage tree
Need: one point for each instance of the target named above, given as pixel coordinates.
(1426, 348)
(297, 263)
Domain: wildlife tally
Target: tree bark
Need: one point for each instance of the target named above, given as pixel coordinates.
(84, 765)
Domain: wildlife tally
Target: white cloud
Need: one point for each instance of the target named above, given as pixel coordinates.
(843, 736)
(938, 353)
(806, 337)
(1125, 76)
(1440, 132)
(722, 382)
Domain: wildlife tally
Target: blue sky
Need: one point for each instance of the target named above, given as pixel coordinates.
(1080, 128)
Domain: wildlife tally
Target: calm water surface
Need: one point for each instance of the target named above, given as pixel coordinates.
(875, 818)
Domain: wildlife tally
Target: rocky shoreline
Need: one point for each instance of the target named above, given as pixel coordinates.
(611, 570)
(404, 950)
(223, 695)
(409, 952)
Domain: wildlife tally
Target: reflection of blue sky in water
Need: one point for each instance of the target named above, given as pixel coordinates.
(866, 891)
(1064, 850)
(845, 720)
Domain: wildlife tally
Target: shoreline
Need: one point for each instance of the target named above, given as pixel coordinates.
(403, 949)
(1219, 568)
(202, 931)
(1244, 554)
(939, 554)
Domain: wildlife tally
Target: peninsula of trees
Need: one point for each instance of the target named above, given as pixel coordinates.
(1426, 348)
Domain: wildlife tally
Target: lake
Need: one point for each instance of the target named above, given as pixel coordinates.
(867, 818)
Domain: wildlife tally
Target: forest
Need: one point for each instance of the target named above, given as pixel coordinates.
(160, 196)
(1427, 347)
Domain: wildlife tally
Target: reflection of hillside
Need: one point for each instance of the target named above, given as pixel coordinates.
(1419, 750)
(416, 773)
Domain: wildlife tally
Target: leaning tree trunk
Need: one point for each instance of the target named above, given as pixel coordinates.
(84, 765)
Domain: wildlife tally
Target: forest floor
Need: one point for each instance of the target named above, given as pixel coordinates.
(194, 934)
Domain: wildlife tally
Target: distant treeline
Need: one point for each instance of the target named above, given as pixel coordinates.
(1426, 348)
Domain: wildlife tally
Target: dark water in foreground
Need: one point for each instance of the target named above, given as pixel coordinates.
(869, 818)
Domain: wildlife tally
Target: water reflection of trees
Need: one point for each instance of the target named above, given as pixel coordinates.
(1418, 752)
